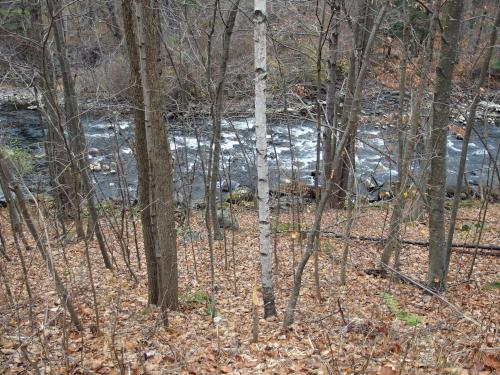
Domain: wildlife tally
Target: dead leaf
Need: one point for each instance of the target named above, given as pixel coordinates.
(387, 370)
(491, 361)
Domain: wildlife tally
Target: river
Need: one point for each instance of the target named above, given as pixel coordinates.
(112, 135)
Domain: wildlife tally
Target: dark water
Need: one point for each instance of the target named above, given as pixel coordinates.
(111, 138)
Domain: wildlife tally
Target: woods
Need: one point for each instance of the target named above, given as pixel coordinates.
(238, 186)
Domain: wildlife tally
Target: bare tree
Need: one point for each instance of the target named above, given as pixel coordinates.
(440, 112)
(341, 149)
(77, 143)
(160, 161)
(468, 130)
(141, 149)
(216, 92)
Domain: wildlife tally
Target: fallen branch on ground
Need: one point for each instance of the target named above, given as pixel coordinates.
(494, 250)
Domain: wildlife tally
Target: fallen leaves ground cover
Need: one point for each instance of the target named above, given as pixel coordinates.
(350, 330)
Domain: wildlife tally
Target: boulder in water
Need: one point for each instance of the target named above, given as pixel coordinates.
(93, 151)
(457, 131)
(229, 186)
(95, 167)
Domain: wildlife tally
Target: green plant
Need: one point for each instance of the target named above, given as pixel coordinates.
(408, 318)
(492, 286)
(327, 248)
(196, 297)
(21, 159)
(283, 227)
(106, 207)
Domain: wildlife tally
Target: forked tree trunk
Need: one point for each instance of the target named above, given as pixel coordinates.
(141, 149)
(341, 149)
(406, 151)
(356, 56)
(260, 20)
(440, 113)
(161, 174)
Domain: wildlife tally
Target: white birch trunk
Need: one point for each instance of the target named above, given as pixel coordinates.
(262, 167)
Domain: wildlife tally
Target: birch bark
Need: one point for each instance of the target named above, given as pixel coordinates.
(262, 167)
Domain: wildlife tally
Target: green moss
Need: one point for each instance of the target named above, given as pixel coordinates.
(492, 286)
(408, 318)
(14, 11)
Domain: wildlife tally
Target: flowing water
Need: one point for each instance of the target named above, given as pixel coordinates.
(111, 137)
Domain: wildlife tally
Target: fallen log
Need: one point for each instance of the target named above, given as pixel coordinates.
(493, 250)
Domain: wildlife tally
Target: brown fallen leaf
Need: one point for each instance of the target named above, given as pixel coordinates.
(387, 370)
(491, 361)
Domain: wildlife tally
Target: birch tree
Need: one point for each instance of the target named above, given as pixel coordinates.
(262, 167)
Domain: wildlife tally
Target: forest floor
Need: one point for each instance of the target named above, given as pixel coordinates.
(371, 325)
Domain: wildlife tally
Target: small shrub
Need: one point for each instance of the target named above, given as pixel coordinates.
(193, 298)
(492, 286)
(408, 318)
(22, 160)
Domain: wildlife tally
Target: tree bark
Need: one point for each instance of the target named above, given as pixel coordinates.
(260, 30)
(161, 173)
(440, 113)
(141, 149)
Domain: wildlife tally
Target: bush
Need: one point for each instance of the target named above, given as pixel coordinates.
(21, 159)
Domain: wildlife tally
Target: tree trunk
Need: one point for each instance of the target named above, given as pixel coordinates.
(356, 56)
(468, 129)
(216, 110)
(141, 150)
(161, 174)
(60, 174)
(341, 148)
(77, 144)
(330, 133)
(260, 30)
(10, 183)
(440, 113)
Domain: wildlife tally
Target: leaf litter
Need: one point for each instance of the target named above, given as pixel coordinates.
(351, 330)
